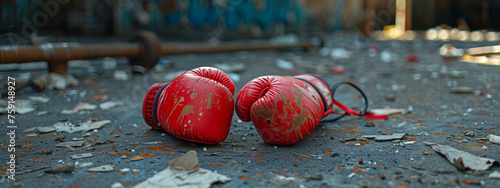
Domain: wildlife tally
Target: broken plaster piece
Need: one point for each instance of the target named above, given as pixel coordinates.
(395, 136)
(52, 81)
(191, 174)
(110, 104)
(495, 174)
(85, 126)
(79, 107)
(387, 111)
(103, 168)
(461, 159)
(80, 156)
(494, 139)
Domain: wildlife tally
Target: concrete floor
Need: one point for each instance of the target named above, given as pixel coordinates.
(322, 159)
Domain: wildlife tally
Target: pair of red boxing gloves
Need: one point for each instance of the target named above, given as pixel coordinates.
(198, 106)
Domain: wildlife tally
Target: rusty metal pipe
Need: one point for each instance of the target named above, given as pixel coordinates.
(61, 52)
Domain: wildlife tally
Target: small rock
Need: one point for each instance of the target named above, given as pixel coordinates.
(237, 145)
(45, 152)
(121, 75)
(284, 64)
(103, 168)
(62, 169)
(360, 160)
(461, 90)
(316, 176)
(469, 133)
(137, 158)
(253, 149)
(369, 124)
(390, 97)
(117, 185)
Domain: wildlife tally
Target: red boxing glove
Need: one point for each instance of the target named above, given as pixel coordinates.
(196, 106)
(286, 109)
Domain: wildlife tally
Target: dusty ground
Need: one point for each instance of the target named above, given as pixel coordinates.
(324, 158)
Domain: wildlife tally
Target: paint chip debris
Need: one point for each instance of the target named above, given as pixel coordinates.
(395, 136)
(80, 107)
(461, 159)
(184, 171)
(103, 168)
(83, 155)
(494, 139)
(110, 104)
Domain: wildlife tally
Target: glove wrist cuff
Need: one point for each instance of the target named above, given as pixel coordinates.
(149, 106)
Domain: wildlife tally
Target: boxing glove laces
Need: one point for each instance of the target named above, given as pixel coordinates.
(286, 109)
(196, 106)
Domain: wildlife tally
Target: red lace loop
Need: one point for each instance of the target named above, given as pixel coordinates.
(350, 111)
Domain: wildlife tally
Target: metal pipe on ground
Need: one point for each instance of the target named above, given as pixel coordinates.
(144, 50)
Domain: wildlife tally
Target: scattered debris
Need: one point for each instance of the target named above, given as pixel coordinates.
(71, 128)
(315, 176)
(172, 75)
(369, 124)
(52, 81)
(395, 136)
(46, 152)
(387, 56)
(235, 67)
(41, 113)
(461, 90)
(234, 76)
(103, 168)
(461, 159)
(110, 104)
(469, 133)
(62, 169)
(121, 75)
(81, 143)
(117, 185)
(46, 129)
(340, 53)
(302, 155)
(338, 69)
(237, 145)
(409, 142)
(495, 174)
(412, 58)
(80, 156)
(399, 88)
(71, 143)
(23, 106)
(39, 99)
(137, 158)
(109, 63)
(184, 171)
(285, 39)
(456, 73)
(390, 97)
(80, 107)
(387, 111)
(494, 139)
(32, 170)
(284, 64)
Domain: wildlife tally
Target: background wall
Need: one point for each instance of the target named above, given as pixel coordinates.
(232, 19)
